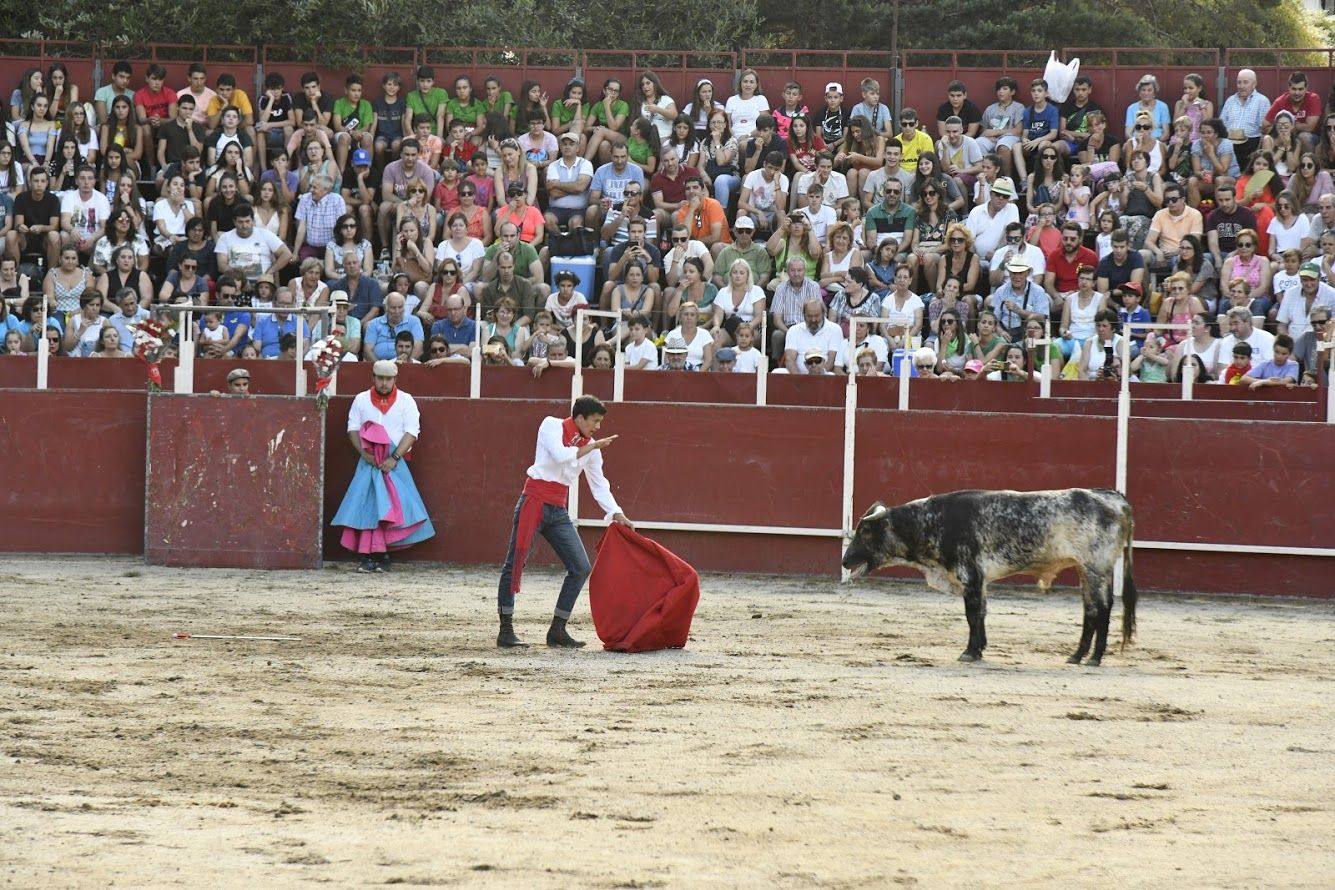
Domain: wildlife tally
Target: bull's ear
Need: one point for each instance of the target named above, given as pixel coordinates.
(878, 510)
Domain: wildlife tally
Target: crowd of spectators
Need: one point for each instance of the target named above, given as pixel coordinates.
(725, 232)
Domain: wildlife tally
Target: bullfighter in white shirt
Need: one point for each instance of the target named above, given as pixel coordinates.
(565, 449)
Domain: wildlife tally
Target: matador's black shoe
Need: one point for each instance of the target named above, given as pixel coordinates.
(557, 636)
(506, 639)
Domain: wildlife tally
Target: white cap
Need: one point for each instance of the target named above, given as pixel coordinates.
(834, 87)
(1004, 186)
(745, 222)
(385, 368)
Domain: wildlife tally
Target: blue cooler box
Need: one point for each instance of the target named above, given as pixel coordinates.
(584, 270)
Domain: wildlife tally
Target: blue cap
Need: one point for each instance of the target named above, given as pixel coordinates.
(361, 158)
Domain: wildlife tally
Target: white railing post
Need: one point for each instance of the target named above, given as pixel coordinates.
(619, 372)
(1045, 370)
(475, 356)
(299, 385)
(1123, 411)
(906, 359)
(43, 352)
(184, 381)
(1189, 372)
(1329, 348)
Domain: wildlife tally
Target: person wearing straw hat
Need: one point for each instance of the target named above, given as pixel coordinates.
(566, 447)
(382, 510)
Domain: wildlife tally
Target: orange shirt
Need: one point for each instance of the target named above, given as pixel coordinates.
(702, 221)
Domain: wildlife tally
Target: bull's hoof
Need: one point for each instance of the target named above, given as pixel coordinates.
(970, 656)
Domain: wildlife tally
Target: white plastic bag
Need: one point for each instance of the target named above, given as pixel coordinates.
(1060, 77)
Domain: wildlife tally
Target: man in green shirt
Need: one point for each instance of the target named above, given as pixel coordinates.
(890, 217)
(427, 101)
(743, 247)
(354, 121)
(527, 264)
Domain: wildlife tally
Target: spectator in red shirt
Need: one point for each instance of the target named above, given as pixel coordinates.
(668, 186)
(1303, 104)
(155, 102)
(1062, 277)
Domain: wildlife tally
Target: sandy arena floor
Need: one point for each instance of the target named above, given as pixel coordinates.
(811, 735)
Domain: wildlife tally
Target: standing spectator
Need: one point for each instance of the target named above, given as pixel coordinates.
(1243, 115)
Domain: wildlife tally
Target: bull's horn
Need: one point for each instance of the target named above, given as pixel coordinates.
(877, 511)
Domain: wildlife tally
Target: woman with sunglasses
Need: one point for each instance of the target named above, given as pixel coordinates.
(1179, 305)
(476, 216)
(959, 261)
(445, 285)
(1248, 264)
(196, 245)
(1047, 184)
(347, 237)
(1142, 139)
(417, 206)
(119, 232)
(184, 284)
(933, 217)
(1282, 142)
(1308, 183)
(950, 342)
(412, 254)
(1289, 230)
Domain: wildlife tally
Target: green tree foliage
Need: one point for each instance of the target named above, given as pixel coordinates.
(332, 29)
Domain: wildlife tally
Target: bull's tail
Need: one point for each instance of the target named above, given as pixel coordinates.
(1128, 593)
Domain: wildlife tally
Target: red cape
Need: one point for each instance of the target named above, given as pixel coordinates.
(641, 594)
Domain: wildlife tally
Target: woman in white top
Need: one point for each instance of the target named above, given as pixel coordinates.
(465, 250)
(1289, 230)
(270, 212)
(746, 106)
(657, 105)
(634, 296)
(12, 179)
(170, 214)
(841, 256)
(1142, 138)
(699, 343)
(1096, 347)
(739, 302)
(308, 289)
(1078, 313)
(1203, 344)
(902, 310)
(76, 122)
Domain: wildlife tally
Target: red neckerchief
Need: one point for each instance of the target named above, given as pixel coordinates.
(570, 433)
(384, 403)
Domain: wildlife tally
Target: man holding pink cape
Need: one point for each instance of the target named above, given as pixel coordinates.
(382, 509)
(565, 449)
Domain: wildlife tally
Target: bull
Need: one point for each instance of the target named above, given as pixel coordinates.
(964, 540)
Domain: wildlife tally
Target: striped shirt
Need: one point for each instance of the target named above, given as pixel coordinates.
(320, 216)
(1245, 115)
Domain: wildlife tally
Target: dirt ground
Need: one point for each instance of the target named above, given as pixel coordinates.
(811, 735)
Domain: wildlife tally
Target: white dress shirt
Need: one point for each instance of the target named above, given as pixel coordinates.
(555, 461)
(402, 417)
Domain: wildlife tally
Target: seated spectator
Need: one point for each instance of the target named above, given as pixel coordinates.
(381, 330)
(961, 156)
(791, 295)
(1305, 345)
(507, 285)
(569, 178)
(1289, 230)
(633, 297)
(345, 326)
(1169, 226)
(764, 193)
(702, 216)
(270, 330)
(1241, 330)
(1101, 357)
(872, 191)
(1018, 247)
(1132, 313)
(1018, 299)
(456, 327)
(816, 332)
(743, 247)
(676, 356)
(1002, 123)
(1235, 373)
(1248, 265)
(1065, 264)
(1299, 301)
(694, 288)
(609, 184)
(249, 252)
(988, 221)
(504, 326)
(903, 311)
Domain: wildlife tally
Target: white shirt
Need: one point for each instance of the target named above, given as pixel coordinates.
(472, 252)
(821, 220)
(990, 231)
(249, 256)
(554, 461)
(695, 349)
(1288, 238)
(1294, 311)
(88, 217)
(746, 310)
(876, 343)
(176, 220)
(799, 339)
(747, 361)
(1032, 253)
(764, 191)
(1261, 342)
(836, 187)
(693, 248)
(401, 419)
(634, 353)
(742, 114)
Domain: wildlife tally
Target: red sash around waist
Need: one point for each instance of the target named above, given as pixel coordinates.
(537, 493)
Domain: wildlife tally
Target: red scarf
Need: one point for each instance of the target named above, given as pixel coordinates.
(537, 493)
(384, 403)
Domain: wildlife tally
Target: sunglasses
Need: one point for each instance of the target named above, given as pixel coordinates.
(946, 321)
(348, 225)
(1144, 127)
(1246, 244)
(1054, 157)
(448, 272)
(190, 266)
(634, 194)
(956, 240)
(438, 350)
(1173, 199)
(242, 382)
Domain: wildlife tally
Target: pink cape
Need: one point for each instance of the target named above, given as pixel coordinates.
(641, 594)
